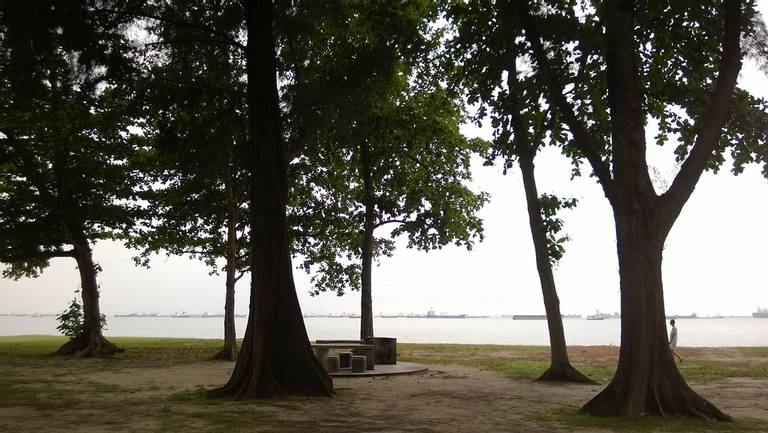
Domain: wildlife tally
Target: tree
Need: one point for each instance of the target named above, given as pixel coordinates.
(64, 144)
(621, 64)
(195, 185)
(276, 357)
(487, 69)
(388, 152)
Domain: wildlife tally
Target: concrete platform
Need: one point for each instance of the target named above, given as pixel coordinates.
(385, 370)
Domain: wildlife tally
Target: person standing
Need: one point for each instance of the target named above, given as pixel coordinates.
(673, 340)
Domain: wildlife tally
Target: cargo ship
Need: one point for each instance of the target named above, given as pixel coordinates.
(599, 316)
(761, 313)
(432, 315)
(529, 317)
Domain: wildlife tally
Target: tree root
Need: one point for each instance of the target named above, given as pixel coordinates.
(85, 347)
(667, 400)
(226, 354)
(565, 373)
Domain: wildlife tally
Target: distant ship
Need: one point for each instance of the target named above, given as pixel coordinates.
(431, 315)
(690, 316)
(538, 316)
(137, 315)
(761, 313)
(599, 316)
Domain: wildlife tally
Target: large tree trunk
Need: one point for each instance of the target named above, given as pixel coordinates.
(647, 379)
(229, 351)
(560, 368)
(366, 301)
(276, 357)
(91, 342)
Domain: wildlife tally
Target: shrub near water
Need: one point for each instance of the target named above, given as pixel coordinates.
(72, 321)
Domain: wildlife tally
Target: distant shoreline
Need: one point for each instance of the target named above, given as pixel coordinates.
(352, 316)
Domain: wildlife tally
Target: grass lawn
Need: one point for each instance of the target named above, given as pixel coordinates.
(160, 384)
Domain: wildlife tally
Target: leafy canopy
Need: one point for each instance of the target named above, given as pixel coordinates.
(65, 70)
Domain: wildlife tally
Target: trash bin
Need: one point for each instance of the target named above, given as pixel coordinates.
(385, 349)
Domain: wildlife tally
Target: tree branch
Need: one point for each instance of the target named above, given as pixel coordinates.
(28, 167)
(225, 38)
(242, 273)
(709, 126)
(11, 257)
(391, 221)
(585, 141)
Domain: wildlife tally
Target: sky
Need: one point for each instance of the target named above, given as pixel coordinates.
(714, 258)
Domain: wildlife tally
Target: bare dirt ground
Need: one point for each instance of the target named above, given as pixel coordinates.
(96, 396)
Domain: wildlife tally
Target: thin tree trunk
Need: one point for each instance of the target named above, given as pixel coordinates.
(647, 379)
(366, 301)
(229, 351)
(276, 357)
(92, 342)
(560, 368)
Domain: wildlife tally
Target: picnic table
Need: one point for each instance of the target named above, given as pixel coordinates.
(323, 349)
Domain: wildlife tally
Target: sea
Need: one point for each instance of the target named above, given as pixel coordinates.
(699, 332)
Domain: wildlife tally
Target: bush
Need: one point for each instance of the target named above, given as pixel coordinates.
(72, 321)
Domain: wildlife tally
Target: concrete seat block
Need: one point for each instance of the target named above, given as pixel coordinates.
(359, 363)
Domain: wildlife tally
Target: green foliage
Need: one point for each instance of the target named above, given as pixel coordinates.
(489, 68)
(374, 128)
(550, 205)
(194, 139)
(72, 321)
(65, 113)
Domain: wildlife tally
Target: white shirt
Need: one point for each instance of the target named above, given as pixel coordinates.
(673, 338)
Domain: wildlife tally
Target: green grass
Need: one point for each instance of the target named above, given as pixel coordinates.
(35, 392)
(516, 361)
(527, 362)
(522, 368)
(29, 346)
(26, 348)
(694, 368)
(530, 362)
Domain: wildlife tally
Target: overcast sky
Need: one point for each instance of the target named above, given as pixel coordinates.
(714, 259)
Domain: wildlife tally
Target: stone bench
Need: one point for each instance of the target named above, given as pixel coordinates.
(323, 349)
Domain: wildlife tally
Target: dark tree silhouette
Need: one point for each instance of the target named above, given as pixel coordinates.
(276, 357)
(485, 55)
(65, 77)
(620, 74)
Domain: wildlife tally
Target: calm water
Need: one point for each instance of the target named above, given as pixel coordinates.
(692, 332)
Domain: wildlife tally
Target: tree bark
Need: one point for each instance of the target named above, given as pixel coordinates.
(229, 351)
(560, 368)
(647, 379)
(92, 342)
(276, 357)
(366, 301)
